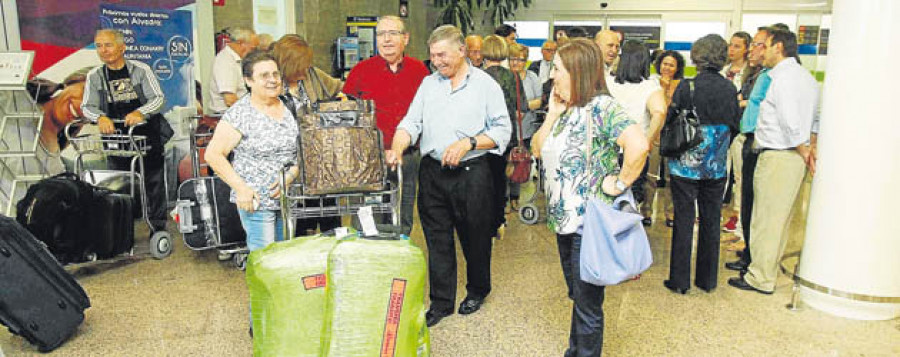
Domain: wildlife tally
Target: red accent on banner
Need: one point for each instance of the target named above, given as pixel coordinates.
(49, 55)
(392, 323)
(218, 2)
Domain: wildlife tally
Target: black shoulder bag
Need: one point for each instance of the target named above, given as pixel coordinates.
(679, 134)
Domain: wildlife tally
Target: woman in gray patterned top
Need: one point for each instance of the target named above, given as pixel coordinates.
(262, 133)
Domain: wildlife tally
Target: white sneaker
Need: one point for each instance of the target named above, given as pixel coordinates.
(223, 256)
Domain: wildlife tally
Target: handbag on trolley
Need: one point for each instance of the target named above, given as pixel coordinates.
(340, 147)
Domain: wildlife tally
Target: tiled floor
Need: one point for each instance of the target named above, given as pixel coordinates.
(192, 305)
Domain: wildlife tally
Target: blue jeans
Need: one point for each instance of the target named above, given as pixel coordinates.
(262, 227)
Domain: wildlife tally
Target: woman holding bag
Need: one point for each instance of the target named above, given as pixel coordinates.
(580, 95)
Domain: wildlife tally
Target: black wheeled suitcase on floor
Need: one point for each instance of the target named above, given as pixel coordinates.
(38, 299)
(55, 210)
(206, 217)
(111, 224)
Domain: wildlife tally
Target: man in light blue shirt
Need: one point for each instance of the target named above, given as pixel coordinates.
(459, 115)
(788, 119)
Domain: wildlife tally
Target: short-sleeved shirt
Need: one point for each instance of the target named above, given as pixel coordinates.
(266, 145)
(226, 78)
(634, 97)
(391, 91)
(569, 182)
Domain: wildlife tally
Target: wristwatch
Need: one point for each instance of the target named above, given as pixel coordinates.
(620, 185)
(474, 143)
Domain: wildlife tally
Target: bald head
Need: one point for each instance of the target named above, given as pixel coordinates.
(473, 49)
(608, 41)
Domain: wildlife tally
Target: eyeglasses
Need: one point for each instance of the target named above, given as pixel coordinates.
(549, 49)
(516, 59)
(392, 33)
(269, 76)
(757, 44)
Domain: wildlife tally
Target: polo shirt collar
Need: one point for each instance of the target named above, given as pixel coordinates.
(388, 65)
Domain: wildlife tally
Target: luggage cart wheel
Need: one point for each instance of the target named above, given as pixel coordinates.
(528, 214)
(240, 261)
(160, 244)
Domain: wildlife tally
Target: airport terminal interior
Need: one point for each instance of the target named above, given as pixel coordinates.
(192, 303)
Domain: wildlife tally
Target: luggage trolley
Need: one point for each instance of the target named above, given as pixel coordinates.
(529, 195)
(205, 217)
(125, 145)
(296, 205)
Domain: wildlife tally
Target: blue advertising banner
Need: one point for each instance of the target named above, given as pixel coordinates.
(163, 40)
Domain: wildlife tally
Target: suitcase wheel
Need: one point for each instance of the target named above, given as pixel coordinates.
(528, 214)
(240, 261)
(160, 244)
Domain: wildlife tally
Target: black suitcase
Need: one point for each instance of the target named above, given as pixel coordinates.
(54, 211)
(111, 224)
(213, 226)
(38, 299)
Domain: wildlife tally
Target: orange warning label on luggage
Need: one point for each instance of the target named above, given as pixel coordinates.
(392, 322)
(314, 281)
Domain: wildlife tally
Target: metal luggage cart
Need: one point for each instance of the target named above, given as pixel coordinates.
(205, 191)
(126, 145)
(530, 195)
(296, 205)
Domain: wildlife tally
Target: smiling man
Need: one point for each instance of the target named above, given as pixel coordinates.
(460, 115)
(391, 80)
(128, 92)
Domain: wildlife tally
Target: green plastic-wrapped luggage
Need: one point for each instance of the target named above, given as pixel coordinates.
(375, 299)
(287, 295)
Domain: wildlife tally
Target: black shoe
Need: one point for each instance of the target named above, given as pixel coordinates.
(742, 284)
(737, 265)
(647, 221)
(707, 290)
(670, 223)
(470, 305)
(432, 318)
(739, 254)
(251, 331)
(675, 289)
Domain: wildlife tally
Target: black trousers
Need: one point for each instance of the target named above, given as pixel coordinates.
(153, 183)
(707, 195)
(747, 171)
(586, 332)
(457, 199)
(498, 173)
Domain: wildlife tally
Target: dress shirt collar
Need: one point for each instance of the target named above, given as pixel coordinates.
(388, 65)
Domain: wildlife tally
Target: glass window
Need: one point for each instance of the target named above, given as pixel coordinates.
(531, 34)
(681, 35)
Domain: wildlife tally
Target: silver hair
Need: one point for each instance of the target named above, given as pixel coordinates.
(240, 34)
(447, 33)
(118, 36)
(710, 52)
(396, 19)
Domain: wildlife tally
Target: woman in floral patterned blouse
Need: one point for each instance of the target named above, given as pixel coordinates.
(579, 94)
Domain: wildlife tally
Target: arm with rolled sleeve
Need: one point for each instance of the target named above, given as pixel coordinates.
(497, 124)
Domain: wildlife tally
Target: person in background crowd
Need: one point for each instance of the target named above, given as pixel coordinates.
(294, 57)
(645, 103)
(391, 80)
(698, 175)
(529, 94)
(785, 138)
(542, 68)
(127, 91)
(609, 43)
(577, 32)
(460, 116)
(752, 93)
(507, 32)
(473, 50)
(563, 143)
(531, 85)
(496, 51)
(226, 85)
(736, 71)
(265, 41)
(670, 67)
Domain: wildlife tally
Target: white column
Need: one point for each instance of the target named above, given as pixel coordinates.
(852, 244)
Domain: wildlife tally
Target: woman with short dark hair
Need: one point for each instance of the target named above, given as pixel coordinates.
(698, 174)
(581, 165)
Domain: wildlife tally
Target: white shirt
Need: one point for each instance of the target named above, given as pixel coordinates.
(226, 78)
(789, 113)
(544, 71)
(633, 97)
(738, 79)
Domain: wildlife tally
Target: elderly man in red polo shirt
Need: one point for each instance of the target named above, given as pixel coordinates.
(391, 80)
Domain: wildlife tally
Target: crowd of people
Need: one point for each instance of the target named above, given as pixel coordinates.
(591, 111)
